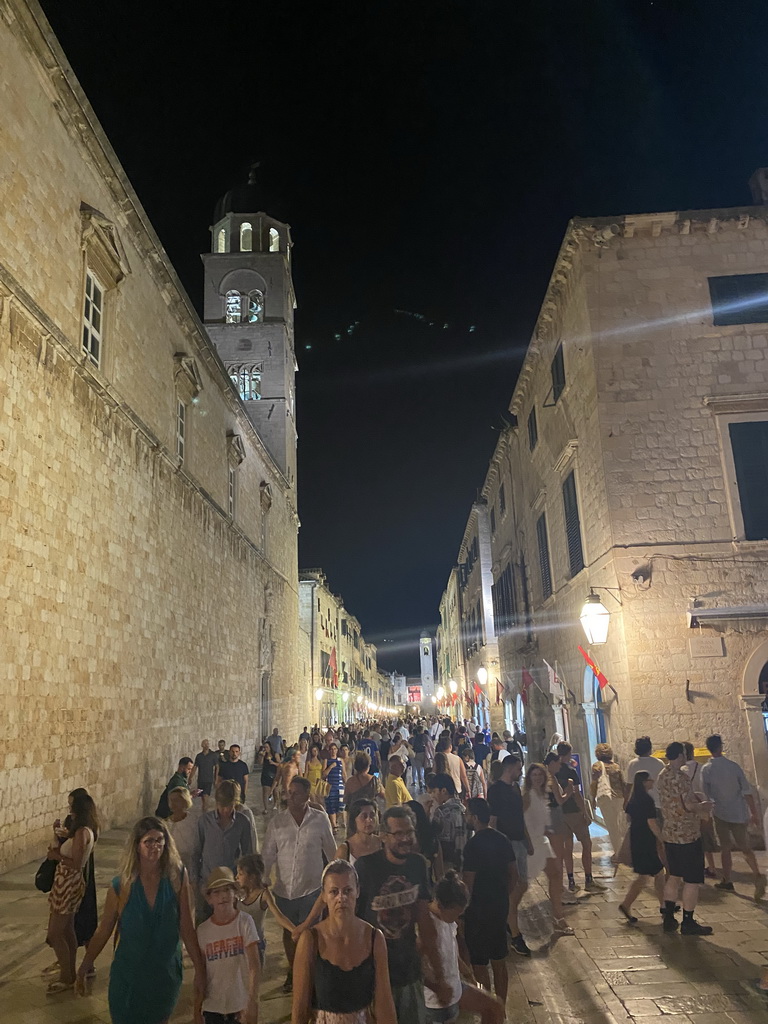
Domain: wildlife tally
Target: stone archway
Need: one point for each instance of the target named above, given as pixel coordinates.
(752, 702)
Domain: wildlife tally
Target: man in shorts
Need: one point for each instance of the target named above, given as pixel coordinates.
(681, 809)
(506, 804)
(734, 807)
(489, 874)
(576, 819)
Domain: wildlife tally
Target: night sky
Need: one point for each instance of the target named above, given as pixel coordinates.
(428, 155)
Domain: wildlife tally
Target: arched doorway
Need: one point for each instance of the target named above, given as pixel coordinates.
(594, 715)
(754, 701)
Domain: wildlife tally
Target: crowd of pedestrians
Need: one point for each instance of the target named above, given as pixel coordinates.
(411, 916)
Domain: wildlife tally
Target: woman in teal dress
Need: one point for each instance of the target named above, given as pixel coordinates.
(149, 902)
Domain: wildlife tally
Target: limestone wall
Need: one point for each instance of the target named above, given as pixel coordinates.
(138, 615)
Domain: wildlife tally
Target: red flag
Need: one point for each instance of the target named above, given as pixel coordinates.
(527, 682)
(498, 692)
(598, 674)
(478, 693)
(334, 669)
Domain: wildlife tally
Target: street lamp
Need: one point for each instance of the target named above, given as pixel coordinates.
(440, 692)
(595, 619)
(482, 675)
(453, 685)
(319, 693)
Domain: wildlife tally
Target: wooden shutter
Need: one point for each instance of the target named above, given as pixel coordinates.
(544, 563)
(558, 374)
(572, 525)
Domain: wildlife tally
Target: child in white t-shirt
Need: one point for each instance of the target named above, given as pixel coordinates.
(229, 944)
(449, 903)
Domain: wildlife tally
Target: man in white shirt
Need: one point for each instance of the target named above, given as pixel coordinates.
(456, 767)
(295, 843)
(643, 762)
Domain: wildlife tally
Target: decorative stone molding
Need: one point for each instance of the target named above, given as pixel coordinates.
(734, 404)
(235, 449)
(187, 377)
(566, 455)
(103, 249)
(265, 494)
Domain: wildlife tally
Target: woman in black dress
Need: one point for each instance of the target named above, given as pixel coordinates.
(268, 773)
(644, 844)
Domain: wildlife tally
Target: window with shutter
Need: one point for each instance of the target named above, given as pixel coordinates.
(533, 428)
(544, 563)
(739, 299)
(749, 443)
(572, 525)
(558, 374)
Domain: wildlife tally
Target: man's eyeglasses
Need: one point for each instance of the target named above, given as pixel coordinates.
(402, 834)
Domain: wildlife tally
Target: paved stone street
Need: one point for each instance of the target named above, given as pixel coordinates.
(608, 972)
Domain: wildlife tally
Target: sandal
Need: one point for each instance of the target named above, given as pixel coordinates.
(562, 927)
(629, 918)
(50, 969)
(56, 987)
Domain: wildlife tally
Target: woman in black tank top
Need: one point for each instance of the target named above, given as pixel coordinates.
(331, 983)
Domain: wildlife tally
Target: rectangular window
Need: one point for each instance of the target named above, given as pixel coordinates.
(739, 299)
(181, 428)
(749, 443)
(493, 520)
(545, 567)
(533, 428)
(502, 501)
(231, 490)
(558, 374)
(572, 525)
(505, 601)
(93, 312)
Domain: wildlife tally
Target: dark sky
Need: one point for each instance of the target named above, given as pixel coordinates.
(428, 155)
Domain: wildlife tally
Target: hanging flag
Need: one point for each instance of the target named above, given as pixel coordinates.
(555, 686)
(334, 669)
(498, 692)
(478, 693)
(593, 665)
(525, 685)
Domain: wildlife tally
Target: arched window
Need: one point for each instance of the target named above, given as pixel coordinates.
(255, 306)
(247, 380)
(246, 237)
(274, 240)
(221, 241)
(234, 311)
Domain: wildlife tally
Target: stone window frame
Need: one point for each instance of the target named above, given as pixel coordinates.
(750, 408)
(235, 458)
(104, 262)
(188, 384)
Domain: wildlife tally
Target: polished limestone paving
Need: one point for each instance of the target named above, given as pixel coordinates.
(607, 972)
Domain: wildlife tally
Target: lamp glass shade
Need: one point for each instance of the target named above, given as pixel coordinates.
(453, 685)
(595, 619)
(319, 693)
(482, 676)
(345, 696)
(440, 692)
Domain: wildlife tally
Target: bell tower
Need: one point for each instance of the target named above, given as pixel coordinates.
(248, 310)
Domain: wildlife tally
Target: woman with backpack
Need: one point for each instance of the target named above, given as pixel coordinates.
(150, 904)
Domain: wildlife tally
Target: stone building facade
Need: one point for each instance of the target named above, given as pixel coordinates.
(636, 467)
(148, 534)
(344, 679)
(468, 650)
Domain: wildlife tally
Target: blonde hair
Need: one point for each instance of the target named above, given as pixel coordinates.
(228, 793)
(170, 861)
(184, 793)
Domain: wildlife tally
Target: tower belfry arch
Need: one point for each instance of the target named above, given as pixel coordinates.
(248, 311)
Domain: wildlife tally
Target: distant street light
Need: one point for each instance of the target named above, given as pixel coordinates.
(345, 696)
(319, 693)
(440, 692)
(595, 619)
(453, 685)
(482, 675)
